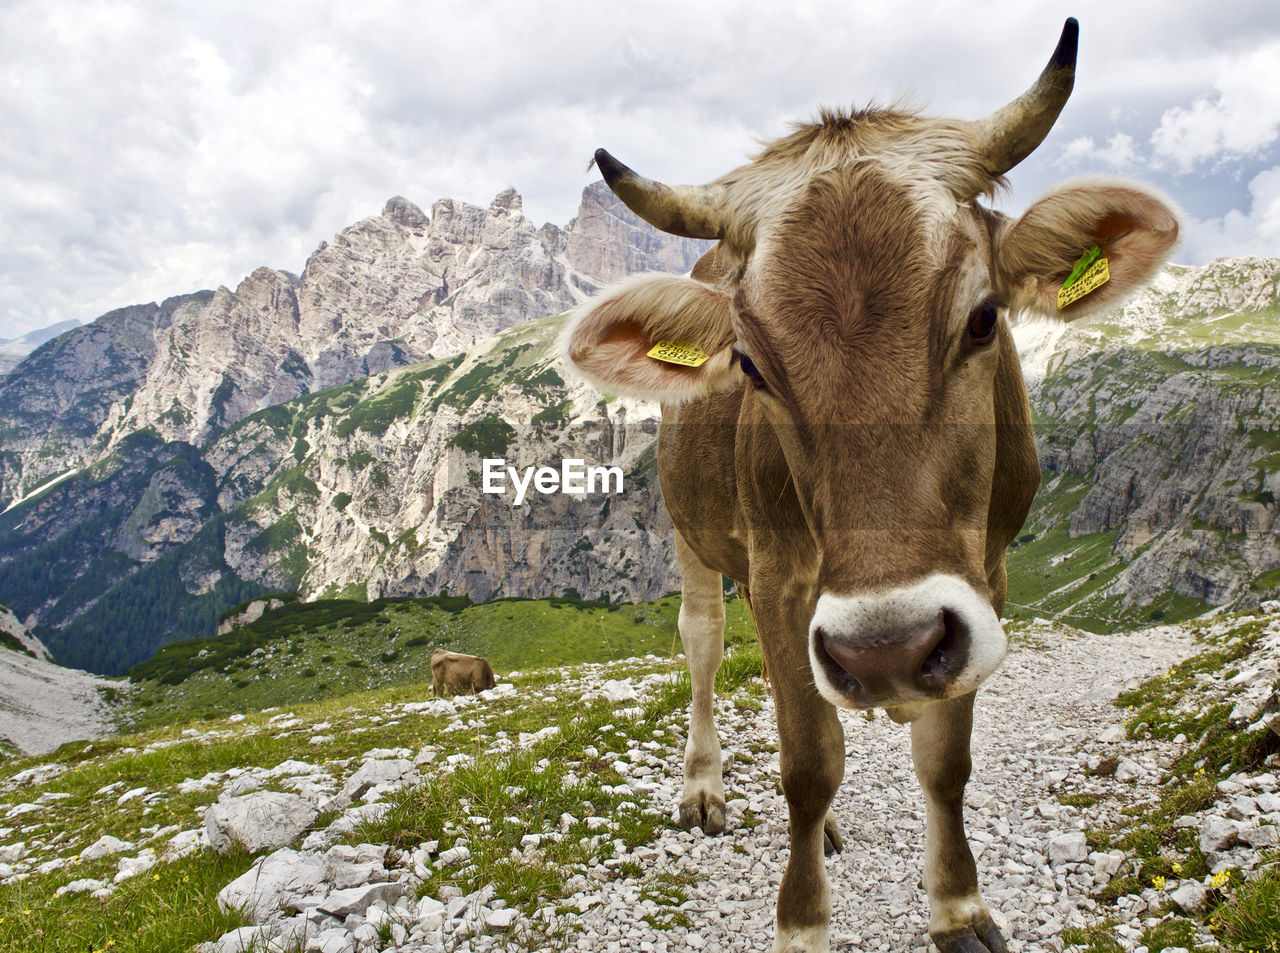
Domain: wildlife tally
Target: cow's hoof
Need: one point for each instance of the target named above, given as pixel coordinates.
(803, 940)
(832, 840)
(982, 937)
(702, 810)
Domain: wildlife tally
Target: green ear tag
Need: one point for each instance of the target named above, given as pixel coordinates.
(1089, 274)
(1087, 259)
(685, 353)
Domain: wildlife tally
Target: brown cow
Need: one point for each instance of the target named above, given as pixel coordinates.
(460, 674)
(857, 449)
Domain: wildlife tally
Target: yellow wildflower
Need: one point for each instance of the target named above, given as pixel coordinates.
(1157, 882)
(1176, 867)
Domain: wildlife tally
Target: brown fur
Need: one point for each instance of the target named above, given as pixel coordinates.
(459, 674)
(886, 446)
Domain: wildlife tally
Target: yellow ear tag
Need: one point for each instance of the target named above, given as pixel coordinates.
(1089, 274)
(685, 353)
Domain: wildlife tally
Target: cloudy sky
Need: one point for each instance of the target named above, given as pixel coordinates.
(153, 148)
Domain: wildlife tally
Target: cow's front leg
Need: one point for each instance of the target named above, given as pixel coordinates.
(702, 633)
(832, 840)
(811, 745)
(959, 921)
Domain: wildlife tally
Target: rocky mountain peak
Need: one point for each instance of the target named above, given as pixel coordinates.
(508, 199)
(404, 213)
(609, 241)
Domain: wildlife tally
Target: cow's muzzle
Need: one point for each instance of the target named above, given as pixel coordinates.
(934, 639)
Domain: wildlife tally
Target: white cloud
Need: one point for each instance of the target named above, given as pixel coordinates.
(1255, 232)
(1240, 118)
(153, 148)
(1119, 152)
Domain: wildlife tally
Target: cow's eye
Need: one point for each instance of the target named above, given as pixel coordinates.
(983, 321)
(749, 368)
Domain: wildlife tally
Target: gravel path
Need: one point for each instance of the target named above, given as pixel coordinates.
(1038, 728)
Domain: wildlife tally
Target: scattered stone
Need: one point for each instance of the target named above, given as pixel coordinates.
(498, 921)
(343, 903)
(104, 846)
(267, 886)
(263, 820)
(1068, 848)
(84, 886)
(1191, 897)
(380, 775)
(132, 866)
(1218, 833)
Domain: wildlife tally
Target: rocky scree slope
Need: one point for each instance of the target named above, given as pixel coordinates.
(394, 289)
(43, 705)
(1157, 433)
(536, 816)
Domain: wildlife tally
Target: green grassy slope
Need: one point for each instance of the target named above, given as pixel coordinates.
(304, 651)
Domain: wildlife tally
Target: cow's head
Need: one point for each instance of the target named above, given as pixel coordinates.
(859, 293)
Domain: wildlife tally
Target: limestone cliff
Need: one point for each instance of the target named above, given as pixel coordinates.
(391, 290)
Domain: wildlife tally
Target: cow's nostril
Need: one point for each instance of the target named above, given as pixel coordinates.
(949, 654)
(836, 671)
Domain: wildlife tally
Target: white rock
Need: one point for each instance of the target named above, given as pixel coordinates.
(104, 846)
(132, 866)
(240, 940)
(1260, 835)
(1113, 734)
(1129, 770)
(1242, 807)
(272, 882)
(331, 941)
(613, 690)
(1191, 897)
(429, 907)
(343, 903)
(82, 886)
(1107, 863)
(1069, 848)
(384, 774)
(458, 854)
(241, 785)
(130, 795)
(1217, 833)
(293, 768)
(263, 820)
(499, 920)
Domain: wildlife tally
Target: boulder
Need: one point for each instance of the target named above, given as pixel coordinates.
(1217, 833)
(263, 820)
(264, 889)
(382, 775)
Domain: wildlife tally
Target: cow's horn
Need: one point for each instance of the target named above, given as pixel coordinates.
(1009, 135)
(689, 210)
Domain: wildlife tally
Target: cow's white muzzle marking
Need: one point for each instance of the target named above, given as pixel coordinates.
(934, 639)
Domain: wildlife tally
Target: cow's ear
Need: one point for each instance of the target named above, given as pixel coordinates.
(1134, 228)
(609, 339)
